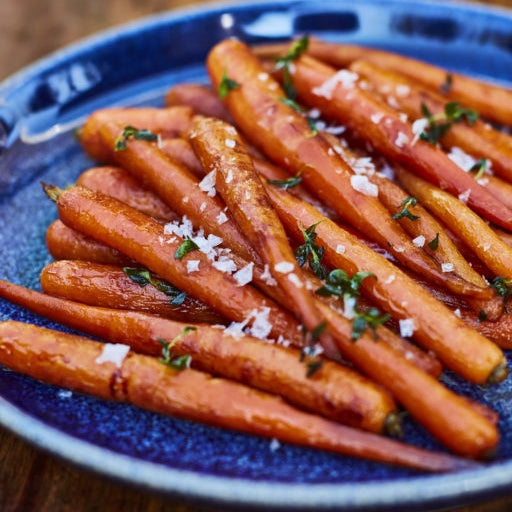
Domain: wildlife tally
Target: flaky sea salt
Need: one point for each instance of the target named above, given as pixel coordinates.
(407, 327)
(362, 184)
(113, 353)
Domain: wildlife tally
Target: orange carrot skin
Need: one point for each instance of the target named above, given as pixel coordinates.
(179, 150)
(355, 108)
(291, 144)
(70, 360)
(499, 331)
(238, 184)
(108, 286)
(167, 122)
(118, 183)
(201, 98)
(335, 391)
(140, 237)
(492, 101)
(65, 243)
(463, 350)
(177, 187)
(480, 139)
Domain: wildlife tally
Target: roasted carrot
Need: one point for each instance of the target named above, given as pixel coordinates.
(479, 139)
(179, 150)
(499, 331)
(66, 243)
(460, 219)
(379, 125)
(139, 237)
(284, 136)
(491, 100)
(201, 98)
(118, 183)
(221, 151)
(77, 363)
(463, 350)
(109, 286)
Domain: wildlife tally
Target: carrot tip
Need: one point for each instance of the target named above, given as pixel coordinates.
(53, 192)
(499, 373)
(393, 425)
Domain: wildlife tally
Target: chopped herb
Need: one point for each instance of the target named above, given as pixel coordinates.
(338, 283)
(308, 354)
(439, 124)
(130, 132)
(482, 316)
(446, 87)
(295, 106)
(226, 85)
(370, 318)
(311, 253)
(297, 49)
(178, 362)
(405, 213)
(142, 277)
(185, 247)
(479, 168)
(291, 182)
(434, 243)
(503, 287)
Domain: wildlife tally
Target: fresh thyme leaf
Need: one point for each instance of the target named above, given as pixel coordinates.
(371, 319)
(503, 287)
(338, 283)
(143, 277)
(479, 168)
(185, 247)
(434, 243)
(311, 253)
(226, 85)
(291, 182)
(296, 50)
(454, 112)
(446, 87)
(130, 132)
(405, 213)
(295, 106)
(178, 362)
(308, 353)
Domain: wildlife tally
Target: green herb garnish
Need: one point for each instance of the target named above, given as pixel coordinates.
(338, 283)
(185, 247)
(142, 277)
(226, 85)
(434, 243)
(296, 50)
(310, 252)
(178, 362)
(405, 213)
(295, 106)
(129, 132)
(290, 182)
(479, 168)
(371, 318)
(307, 354)
(503, 287)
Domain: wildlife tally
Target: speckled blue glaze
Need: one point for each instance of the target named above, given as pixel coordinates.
(134, 64)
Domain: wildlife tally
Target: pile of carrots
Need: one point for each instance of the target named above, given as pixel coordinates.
(293, 251)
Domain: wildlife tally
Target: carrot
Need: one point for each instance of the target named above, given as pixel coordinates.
(75, 362)
(489, 248)
(458, 347)
(480, 139)
(180, 151)
(285, 137)
(169, 122)
(492, 101)
(139, 237)
(319, 84)
(499, 331)
(66, 243)
(118, 183)
(109, 286)
(201, 98)
(221, 151)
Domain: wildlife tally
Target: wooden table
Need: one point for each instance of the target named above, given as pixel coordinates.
(30, 480)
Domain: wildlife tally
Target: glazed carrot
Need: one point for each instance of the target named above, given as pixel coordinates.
(109, 286)
(378, 124)
(201, 98)
(169, 122)
(178, 188)
(179, 150)
(460, 219)
(480, 139)
(499, 188)
(221, 151)
(334, 391)
(463, 350)
(139, 237)
(66, 243)
(492, 101)
(499, 331)
(285, 137)
(118, 183)
(76, 362)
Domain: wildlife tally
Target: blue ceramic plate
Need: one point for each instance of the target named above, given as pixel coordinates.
(134, 65)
